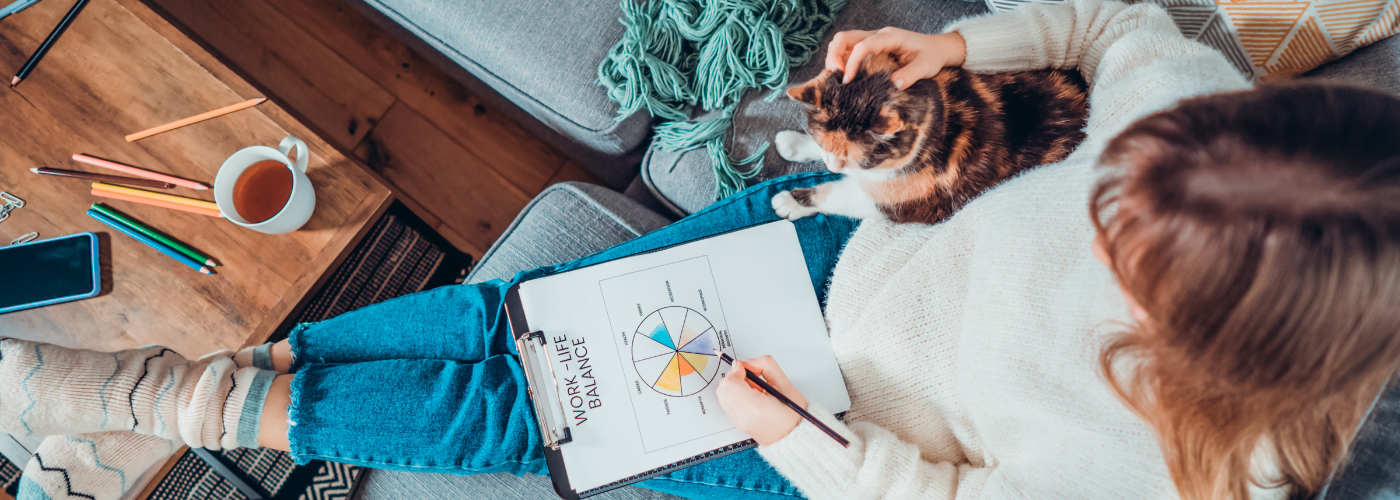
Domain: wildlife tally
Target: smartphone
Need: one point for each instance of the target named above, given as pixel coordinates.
(51, 271)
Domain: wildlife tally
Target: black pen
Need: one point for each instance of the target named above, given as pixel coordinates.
(772, 391)
(48, 42)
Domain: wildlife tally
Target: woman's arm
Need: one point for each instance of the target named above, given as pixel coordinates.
(1134, 57)
(876, 465)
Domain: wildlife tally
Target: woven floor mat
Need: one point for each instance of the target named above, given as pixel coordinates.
(398, 256)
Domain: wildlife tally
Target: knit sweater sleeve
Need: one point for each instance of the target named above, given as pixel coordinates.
(1135, 59)
(876, 465)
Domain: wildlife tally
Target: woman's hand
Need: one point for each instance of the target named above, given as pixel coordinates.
(920, 56)
(756, 413)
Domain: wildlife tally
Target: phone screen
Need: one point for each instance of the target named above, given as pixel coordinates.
(47, 271)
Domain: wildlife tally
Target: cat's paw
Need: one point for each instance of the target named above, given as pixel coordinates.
(788, 208)
(797, 147)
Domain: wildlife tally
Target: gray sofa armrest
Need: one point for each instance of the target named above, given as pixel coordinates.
(567, 221)
(535, 60)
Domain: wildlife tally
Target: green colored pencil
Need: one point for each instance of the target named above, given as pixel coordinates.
(141, 228)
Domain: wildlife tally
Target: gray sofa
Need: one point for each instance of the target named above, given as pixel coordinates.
(537, 59)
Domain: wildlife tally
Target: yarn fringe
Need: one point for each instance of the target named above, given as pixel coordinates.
(676, 55)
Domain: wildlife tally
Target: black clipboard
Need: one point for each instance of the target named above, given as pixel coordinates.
(541, 386)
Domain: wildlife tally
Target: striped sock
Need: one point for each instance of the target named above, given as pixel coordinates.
(259, 357)
(47, 390)
(96, 466)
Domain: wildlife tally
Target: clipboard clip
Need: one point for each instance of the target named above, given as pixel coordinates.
(543, 388)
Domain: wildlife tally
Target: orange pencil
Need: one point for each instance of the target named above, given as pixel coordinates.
(152, 195)
(139, 172)
(157, 203)
(195, 119)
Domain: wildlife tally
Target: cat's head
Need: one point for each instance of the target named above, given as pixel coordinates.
(868, 124)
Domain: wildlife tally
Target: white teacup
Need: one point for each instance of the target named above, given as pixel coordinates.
(300, 204)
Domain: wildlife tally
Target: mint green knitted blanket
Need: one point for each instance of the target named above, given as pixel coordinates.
(680, 55)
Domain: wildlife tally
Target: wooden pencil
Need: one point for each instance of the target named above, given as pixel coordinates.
(194, 119)
(110, 179)
(773, 391)
(48, 42)
(146, 240)
(170, 198)
(137, 171)
(153, 234)
(157, 203)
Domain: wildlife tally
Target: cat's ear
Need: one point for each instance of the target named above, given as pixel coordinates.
(810, 93)
(888, 121)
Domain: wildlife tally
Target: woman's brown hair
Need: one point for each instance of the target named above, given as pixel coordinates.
(1259, 232)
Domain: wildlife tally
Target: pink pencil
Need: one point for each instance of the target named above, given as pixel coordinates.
(140, 172)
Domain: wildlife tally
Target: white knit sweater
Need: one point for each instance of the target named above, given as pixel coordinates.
(970, 347)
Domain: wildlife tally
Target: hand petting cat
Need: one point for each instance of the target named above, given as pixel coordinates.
(919, 56)
(915, 136)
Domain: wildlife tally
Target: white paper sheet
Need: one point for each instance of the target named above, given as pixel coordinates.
(629, 339)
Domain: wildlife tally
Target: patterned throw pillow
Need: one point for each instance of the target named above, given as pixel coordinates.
(1270, 40)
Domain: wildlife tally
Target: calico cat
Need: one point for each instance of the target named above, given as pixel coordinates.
(920, 154)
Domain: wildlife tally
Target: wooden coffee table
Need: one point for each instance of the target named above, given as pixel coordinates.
(119, 69)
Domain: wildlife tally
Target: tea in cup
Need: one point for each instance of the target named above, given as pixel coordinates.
(263, 189)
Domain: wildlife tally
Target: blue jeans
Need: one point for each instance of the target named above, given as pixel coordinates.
(430, 382)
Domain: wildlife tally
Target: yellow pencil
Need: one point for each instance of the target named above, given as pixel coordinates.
(195, 119)
(141, 193)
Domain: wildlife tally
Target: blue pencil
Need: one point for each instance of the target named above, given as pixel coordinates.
(15, 7)
(149, 242)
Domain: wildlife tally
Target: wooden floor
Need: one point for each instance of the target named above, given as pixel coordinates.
(464, 168)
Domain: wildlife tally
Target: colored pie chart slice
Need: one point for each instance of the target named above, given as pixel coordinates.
(693, 383)
(688, 334)
(650, 369)
(670, 377)
(662, 336)
(674, 317)
(646, 348)
(704, 344)
(697, 361)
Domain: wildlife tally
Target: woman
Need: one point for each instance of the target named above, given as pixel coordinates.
(1254, 236)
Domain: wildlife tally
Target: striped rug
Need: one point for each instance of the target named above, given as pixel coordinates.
(400, 255)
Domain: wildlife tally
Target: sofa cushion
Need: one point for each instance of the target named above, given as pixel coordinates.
(1371, 471)
(545, 64)
(1376, 65)
(686, 181)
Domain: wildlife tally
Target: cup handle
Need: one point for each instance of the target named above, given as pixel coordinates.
(288, 143)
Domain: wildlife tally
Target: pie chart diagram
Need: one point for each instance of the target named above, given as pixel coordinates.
(674, 351)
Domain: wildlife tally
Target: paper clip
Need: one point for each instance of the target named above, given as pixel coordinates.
(25, 238)
(11, 202)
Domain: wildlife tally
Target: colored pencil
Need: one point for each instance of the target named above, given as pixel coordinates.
(110, 179)
(48, 42)
(149, 242)
(139, 172)
(157, 203)
(15, 7)
(156, 196)
(195, 119)
(772, 391)
(155, 235)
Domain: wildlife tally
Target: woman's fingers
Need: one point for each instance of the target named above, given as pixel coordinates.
(767, 367)
(757, 414)
(840, 48)
(885, 41)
